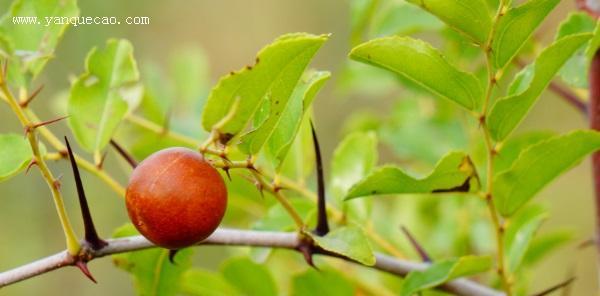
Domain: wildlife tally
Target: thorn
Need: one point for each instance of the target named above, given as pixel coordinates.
(32, 96)
(43, 123)
(167, 123)
(5, 70)
(322, 227)
(56, 183)
(418, 247)
(91, 236)
(305, 249)
(83, 267)
(102, 159)
(128, 157)
(31, 163)
(586, 243)
(556, 287)
(172, 254)
(226, 170)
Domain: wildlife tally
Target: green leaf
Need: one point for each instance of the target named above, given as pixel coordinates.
(571, 72)
(250, 277)
(453, 173)
(151, 269)
(321, 282)
(15, 154)
(509, 111)
(272, 79)
(520, 233)
(285, 131)
(512, 148)
(516, 27)
(544, 244)
(444, 271)
(347, 241)
(200, 282)
(32, 45)
(420, 62)
(353, 159)
(471, 17)
(538, 165)
(102, 95)
(401, 18)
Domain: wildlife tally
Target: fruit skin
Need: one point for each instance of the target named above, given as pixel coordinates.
(175, 198)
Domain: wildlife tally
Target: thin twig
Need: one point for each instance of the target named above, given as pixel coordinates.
(233, 237)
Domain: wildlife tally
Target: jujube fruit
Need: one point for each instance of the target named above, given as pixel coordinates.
(175, 198)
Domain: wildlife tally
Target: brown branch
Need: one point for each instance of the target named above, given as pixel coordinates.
(232, 237)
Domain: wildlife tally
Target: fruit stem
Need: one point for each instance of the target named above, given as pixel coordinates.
(71, 240)
(280, 198)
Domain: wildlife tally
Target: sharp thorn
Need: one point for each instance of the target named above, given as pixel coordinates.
(418, 247)
(5, 70)
(172, 254)
(31, 163)
(167, 122)
(226, 170)
(307, 254)
(100, 165)
(32, 96)
(36, 125)
(83, 267)
(322, 227)
(586, 243)
(556, 287)
(91, 236)
(128, 157)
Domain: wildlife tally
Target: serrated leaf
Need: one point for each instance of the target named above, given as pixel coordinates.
(471, 17)
(508, 112)
(571, 72)
(15, 154)
(512, 148)
(347, 241)
(538, 165)
(353, 159)
(151, 269)
(520, 233)
(453, 173)
(328, 282)
(516, 27)
(276, 72)
(199, 282)
(102, 95)
(250, 277)
(285, 132)
(420, 62)
(32, 45)
(444, 271)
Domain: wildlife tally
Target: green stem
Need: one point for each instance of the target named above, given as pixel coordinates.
(491, 153)
(84, 164)
(71, 240)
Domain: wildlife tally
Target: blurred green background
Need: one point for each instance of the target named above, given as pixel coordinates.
(230, 33)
